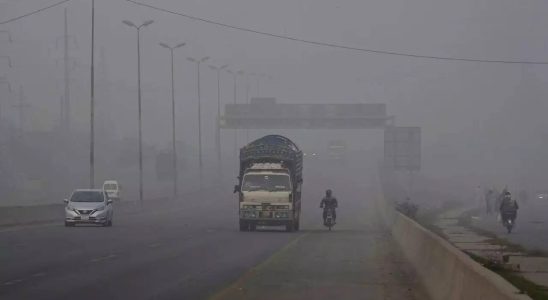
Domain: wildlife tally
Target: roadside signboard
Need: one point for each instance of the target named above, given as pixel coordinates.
(402, 148)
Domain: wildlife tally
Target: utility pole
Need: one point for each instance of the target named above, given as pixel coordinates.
(21, 107)
(247, 102)
(235, 77)
(174, 140)
(138, 28)
(66, 98)
(198, 62)
(92, 102)
(217, 124)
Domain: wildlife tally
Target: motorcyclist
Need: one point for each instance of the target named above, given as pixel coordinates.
(329, 202)
(508, 208)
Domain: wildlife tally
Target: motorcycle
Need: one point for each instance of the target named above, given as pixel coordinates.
(329, 222)
(508, 222)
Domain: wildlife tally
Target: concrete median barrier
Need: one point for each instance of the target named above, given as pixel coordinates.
(445, 271)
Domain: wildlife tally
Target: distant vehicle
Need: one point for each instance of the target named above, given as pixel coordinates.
(270, 180)
(337, 150)
(88, 206)
(112, 188)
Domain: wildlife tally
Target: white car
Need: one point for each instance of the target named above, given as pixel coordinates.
(112, 188)
(88, 206)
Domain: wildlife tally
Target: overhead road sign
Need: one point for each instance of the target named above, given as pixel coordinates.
(265, 113)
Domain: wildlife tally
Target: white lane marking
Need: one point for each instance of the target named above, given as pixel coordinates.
(13, 282)
(154, 245)
(39, 274)
(103, 258)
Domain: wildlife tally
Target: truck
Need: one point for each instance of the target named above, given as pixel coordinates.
(269, 184)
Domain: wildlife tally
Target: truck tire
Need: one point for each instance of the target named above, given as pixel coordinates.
(297, 225)
(243, 226)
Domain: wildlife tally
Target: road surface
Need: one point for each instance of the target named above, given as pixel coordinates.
(192, 249)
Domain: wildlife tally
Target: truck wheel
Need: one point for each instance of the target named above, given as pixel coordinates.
(243, 226)
(289, 227)
(297, 225)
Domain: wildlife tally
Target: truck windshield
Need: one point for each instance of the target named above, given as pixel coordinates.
(110, 186)
(256, 182)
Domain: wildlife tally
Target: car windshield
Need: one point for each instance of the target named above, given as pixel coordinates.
(110, 186)
(87, 197)
(269, 182)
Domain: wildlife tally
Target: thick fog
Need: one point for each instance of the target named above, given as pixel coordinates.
(482, 123)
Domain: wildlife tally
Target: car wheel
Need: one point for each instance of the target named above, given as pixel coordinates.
(69, 224)
(110, 223)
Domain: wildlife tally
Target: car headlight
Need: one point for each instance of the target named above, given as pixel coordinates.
(100, 208)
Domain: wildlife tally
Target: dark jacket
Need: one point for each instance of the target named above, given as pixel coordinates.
(509, 205)
(329, 202)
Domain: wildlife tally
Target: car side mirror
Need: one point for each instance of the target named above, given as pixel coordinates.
(109, 201)
(66, 201)
(237, 189)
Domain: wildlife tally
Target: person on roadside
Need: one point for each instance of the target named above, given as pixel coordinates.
(508, 208)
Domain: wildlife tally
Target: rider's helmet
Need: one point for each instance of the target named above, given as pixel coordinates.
(507, 195)
(328, 193)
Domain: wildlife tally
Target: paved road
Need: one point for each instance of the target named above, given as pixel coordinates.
(196, 252)
(531, 229)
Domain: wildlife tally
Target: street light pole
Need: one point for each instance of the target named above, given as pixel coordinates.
(218, 125)
(235, 77)
(92, 102)
(174, 147)
(138, 28)
(198, 62)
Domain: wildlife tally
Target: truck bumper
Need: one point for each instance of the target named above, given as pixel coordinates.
(268, 222)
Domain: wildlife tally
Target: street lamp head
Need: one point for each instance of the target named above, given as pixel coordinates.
(164, 45)
(204, 59)
(129, 23)
(146, 23)
(214, 68)
(229, 71)
(223, 67)
(240, 72)
(180, 45)
(191, 59)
